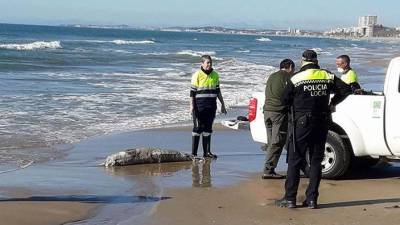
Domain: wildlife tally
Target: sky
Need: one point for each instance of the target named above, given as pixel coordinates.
(268, 14)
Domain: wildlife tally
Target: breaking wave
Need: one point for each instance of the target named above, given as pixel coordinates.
(119, 41)
(195, 53)
(125, 42)
(199, 54)
(263, 39)
(33, 45)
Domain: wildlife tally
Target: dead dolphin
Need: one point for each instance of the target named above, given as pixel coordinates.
(145, 155)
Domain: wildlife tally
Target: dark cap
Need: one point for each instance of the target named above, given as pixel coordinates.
(309, 55)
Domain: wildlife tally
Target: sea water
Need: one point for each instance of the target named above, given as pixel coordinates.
(61, 85)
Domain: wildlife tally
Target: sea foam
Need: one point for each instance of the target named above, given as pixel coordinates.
(119, 41)
(33, 45)
(125, 42)
(263, 39)
(199, 54)
(195, 53)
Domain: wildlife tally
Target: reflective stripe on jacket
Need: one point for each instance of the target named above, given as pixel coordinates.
(309, 90)
(205, 89)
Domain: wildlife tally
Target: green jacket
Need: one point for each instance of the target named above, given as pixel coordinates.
(274, 90)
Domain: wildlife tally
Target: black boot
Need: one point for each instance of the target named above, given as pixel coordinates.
(195, 144)
(207, 147)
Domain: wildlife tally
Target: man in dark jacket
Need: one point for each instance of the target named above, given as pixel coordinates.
(275, 117)
(308, 92)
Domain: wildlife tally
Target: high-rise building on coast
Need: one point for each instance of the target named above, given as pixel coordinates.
(367, 27)
(365, 21)
(367, 24)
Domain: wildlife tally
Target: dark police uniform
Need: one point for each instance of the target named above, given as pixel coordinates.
(308, 92)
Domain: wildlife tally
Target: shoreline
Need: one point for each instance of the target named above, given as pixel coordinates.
(49, 213)
(52, 152)
(223, 191)
(52, 192)
(122, 27)
(390, 39)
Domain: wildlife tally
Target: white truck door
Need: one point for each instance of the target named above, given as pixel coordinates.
(392, 106)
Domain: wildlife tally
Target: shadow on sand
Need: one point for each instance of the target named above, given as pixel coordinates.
(113, 199)
(382, 171)
(360, 203)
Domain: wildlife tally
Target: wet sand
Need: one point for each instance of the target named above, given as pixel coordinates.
(43, 213)
(23, 207)
(223, 191)
(75, 188)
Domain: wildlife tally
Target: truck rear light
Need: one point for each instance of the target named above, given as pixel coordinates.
(252, 109)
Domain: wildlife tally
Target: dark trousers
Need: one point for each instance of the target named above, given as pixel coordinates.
(203, 120)
(276, 124)
(202, 126)
(310, 134)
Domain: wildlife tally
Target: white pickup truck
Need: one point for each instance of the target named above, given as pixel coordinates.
(365, 128)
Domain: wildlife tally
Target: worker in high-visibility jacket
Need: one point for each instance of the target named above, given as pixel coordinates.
(349, 76)
(203, 105)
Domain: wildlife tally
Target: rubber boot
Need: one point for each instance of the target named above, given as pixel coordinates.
(207, 147)
(195, 144)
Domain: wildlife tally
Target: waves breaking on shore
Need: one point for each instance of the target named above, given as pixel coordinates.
(33, 45)
(62, 85)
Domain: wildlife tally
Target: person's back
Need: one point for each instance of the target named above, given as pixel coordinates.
(274, 89)
(312, 87)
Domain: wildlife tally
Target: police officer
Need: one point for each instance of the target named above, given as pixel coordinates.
(307, 93)
(203, 105)
(349, 75)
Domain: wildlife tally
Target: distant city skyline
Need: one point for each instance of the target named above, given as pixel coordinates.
(311, 14)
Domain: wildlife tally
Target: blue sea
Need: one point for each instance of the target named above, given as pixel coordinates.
(61, 85)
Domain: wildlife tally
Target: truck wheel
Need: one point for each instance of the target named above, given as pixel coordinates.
(336, 160)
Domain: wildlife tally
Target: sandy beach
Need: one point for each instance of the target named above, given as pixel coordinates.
(47, 213)
(364, 201)
(75, 190)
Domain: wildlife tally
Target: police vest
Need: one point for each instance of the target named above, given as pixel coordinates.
(312, 88)
(349, 77)
(205, 89)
